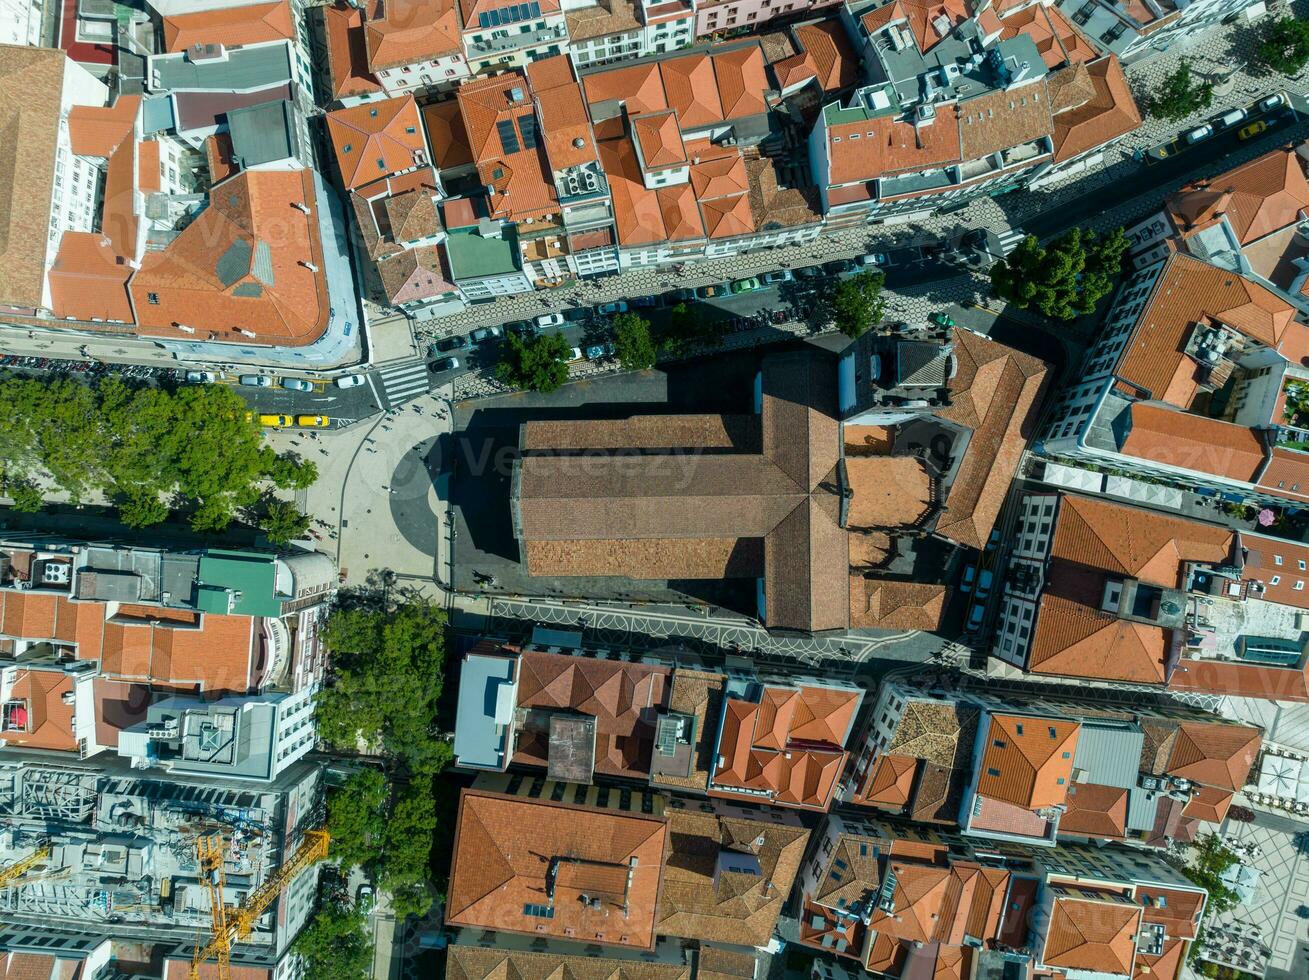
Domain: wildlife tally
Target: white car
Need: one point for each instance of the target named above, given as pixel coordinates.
(550, 320)
(871, 261)
(201, 377)
(1272, 102)
(350, 381)
(575, 354)
(1198, 134)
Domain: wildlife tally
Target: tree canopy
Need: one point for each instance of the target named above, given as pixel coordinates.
(632, 342)
(334, 945)
(1210, 857)
(1064, 279)
(855, 303)
(539, 364)
(1284, 47)
(147, 449)
(1180, 96)
(356, 817)
(281, 520)
(687, 326)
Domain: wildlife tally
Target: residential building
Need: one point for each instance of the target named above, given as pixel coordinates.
(815, 53)
(1136, 31)
(122, 850)
(499, 36)
(53, 188)
(490, 962)
(20, 21)
(604, 31)
(1103, 591)
(484, 255)
(31, 955)
(1190, 384)
(412, 45)
(1046, 770)
(730, 17)
(94, 638)
(345, 78)
(901, 901)
(964, 105)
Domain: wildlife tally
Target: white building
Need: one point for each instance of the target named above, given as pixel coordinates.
(604, 31)
(500, 36)
(20, 21)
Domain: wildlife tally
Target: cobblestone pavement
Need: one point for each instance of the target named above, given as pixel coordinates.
(1283, 888)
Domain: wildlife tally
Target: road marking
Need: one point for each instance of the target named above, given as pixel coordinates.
(376, 397)
(404, 382)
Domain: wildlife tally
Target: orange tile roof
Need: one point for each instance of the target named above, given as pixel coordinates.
(1095, 811)
(1110, 112)
(231, 26)
(446, 135)
(520, 181)
(511, 854)
(919, 895)
(561, 105)
(1058, 41)
(96, 131)
(119, 221)
(1287, 474)
(223, 271)
(1209, 803)
(1265, 557)
(1162, 434)
(893, 604)
(658, 139)
(1257, 198)
(1242, 680)
(1166, 965)
(88, 280)
(739, 75)
(920, 16)
(1188, 292)
(49, 718)
(642, 215)
(1086, 934)
(405, 32)
(726, 217)
(692, 90)
(471, 8)
(1214, 754)
(376, 139)
(1027, 761)
(716, 171)
(887, 145)
(347, 52)
(149, 175)
(890, 781)
(640, 87)
(828, 53)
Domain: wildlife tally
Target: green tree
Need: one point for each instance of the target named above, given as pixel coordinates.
(687, 327)
(1064, 280)
(1284, 47)
(406, 855)
(335, 946)
(855, 303)
(25, 494)
(356, 817)
(287, 470)
(632, 342)
(540, 364)
(1209, 858)
(1180, 96)
(281, 520)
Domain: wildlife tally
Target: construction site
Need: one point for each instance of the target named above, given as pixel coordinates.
(99, 849)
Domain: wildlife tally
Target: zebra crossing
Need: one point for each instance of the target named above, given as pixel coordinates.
(400, 383)
(1009, 239)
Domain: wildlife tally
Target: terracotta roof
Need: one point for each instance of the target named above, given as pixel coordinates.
(640, 87)
(895, 605)
(88, 280)
(376, 139)
(1027, 761)
(515, 170)
(1086, 934)
(886, 145)
(1110, 113)
(739, 77)
(1257, 198)
(622, 697)
(414, 274)
(96, 131)
(1209, 803)
(828, 53)
(1214, 754)
(659, 140)
(702, 901)
(1095, 811)
(446, 134)
(890, 782)
(223, 271)
(1166, 965)
(561, 105)
(602, 19)
(490, 963)
(727, 217)
(995, 392)
(999, 120)
(1242, 680)
(405, 32)
(920, 16)
(231, 26)
(716, 171)
(1287, 474)
(49, 717)
(347, 51)
(471, 8)
(513, 856)
(1058, 41)
(1163, 434)
(31, 87)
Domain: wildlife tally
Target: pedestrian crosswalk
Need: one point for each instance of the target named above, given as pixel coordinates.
(401, 383)
(1009, 239)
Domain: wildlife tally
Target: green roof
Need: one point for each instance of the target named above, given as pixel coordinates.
(224, 574)
(474, 257)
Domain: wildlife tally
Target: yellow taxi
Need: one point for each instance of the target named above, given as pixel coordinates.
(1252, 130)
(313, 421)
(275, 421)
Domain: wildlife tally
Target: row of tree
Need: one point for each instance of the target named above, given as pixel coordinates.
(148, 450)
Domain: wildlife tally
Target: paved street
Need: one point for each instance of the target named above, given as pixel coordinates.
(1283, 888)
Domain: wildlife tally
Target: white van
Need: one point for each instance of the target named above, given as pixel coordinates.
(1230, 119)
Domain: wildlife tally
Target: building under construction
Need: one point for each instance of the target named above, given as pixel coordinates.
(97, 848)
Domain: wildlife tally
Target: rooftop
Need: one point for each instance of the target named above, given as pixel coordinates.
(230, 26)
(377, 139)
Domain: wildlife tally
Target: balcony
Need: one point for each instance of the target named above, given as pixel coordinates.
(517, 41)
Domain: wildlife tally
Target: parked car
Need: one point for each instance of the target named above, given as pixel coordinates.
(201, 377)
(838, 267)
(484, 334)
(445, 364)
(550, 320)
(810, 272)
(524, 328)
(984, 580)
(1198, 134)
(275, 421)
(350, 381)
(313, 421)
(778, 276)
(364, 899)
(457, 342)
(870, 261)
(975, 617)
(677, 296)
(709, 292)
(296, 384)
(644, 301)
(575, 354)
(747, 285)
(970, 576)
(609, 309)
(256, 380)
(1252, 130)
(1271, 102)
(1232, 118)
(598, 352)
(942, 319)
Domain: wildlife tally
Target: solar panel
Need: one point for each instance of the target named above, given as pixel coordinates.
(508, 138)
(525, 10)
(534, 8)
(494, 16)
(509, 15)
(531, 135)
(483, 20)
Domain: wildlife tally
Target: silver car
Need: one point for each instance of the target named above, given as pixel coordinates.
(296, 384)
(256, 380)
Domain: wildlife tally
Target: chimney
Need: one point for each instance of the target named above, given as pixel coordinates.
(309, 265)
(303, 207)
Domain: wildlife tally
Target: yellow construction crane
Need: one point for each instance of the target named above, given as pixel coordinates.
(232, 925)
(20, 868)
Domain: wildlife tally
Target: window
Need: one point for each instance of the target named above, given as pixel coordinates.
(1000, 743)
(1299, 585)
(1275, 579)
(1060, 781)
(1300, 564)
(992, 771)
(539, 911)
(1068, 755)
(1020, 729)
(1053, 733)
(152, 299)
